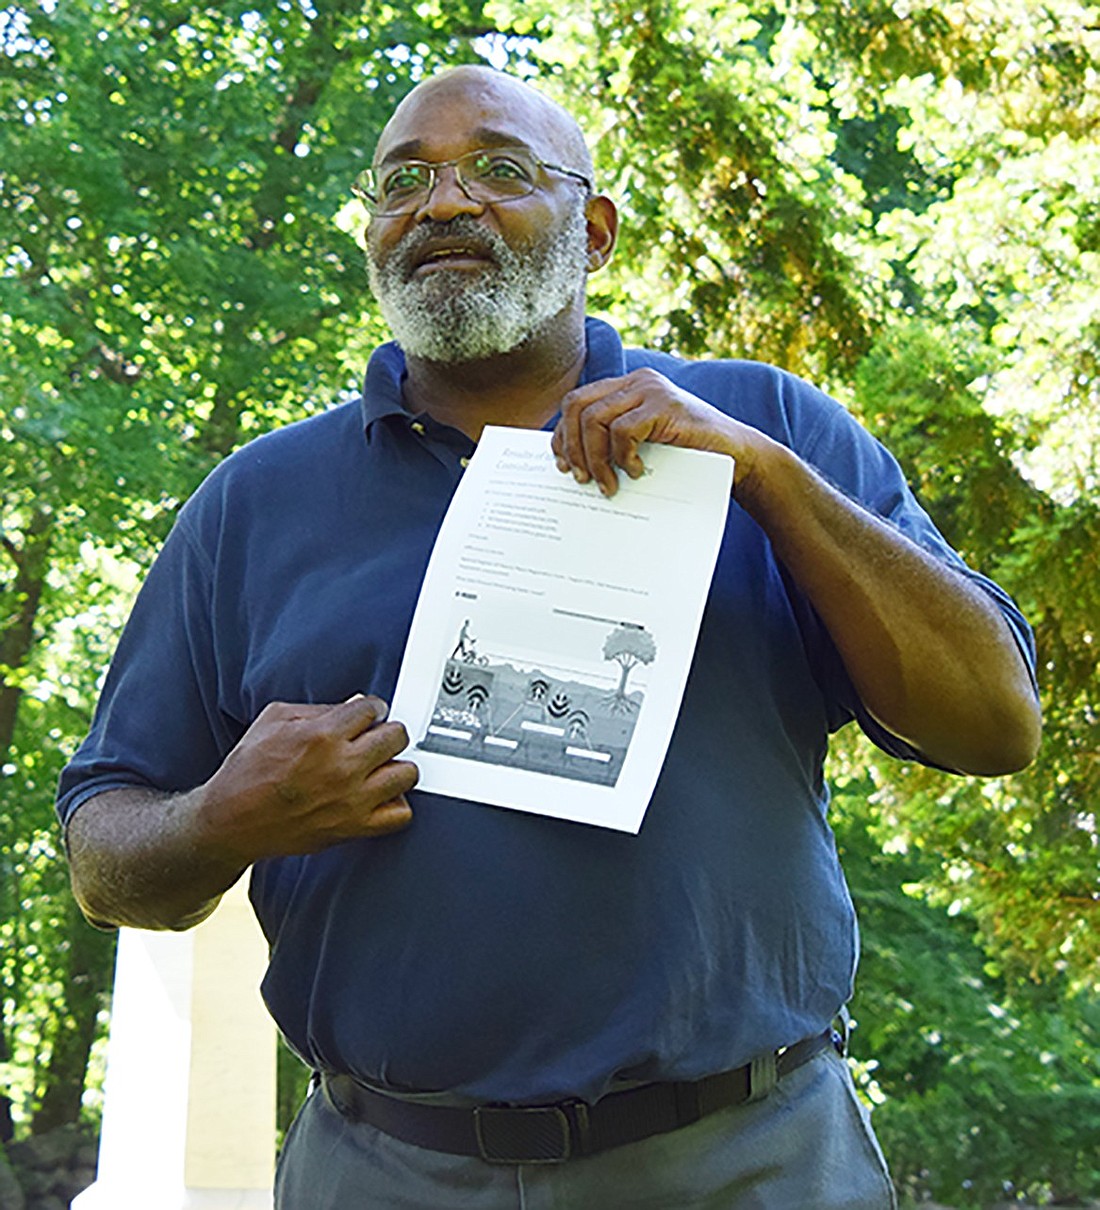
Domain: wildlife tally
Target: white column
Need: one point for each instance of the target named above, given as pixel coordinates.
(189, 1097)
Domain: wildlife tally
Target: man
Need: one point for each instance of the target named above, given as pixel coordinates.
(507, 1009)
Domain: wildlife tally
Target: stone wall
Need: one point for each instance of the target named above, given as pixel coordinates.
(48, 1170)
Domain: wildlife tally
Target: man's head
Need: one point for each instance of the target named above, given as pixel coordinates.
(460, 277)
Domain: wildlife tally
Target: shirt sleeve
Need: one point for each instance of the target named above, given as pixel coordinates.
(158, 723)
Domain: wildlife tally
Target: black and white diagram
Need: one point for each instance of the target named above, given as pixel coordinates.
(503, 707)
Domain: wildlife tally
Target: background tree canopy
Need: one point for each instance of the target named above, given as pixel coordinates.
(900, 201)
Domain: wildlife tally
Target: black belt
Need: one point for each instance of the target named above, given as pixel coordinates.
(541, 1134)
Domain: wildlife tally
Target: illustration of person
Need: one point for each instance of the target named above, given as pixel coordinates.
(464, 648)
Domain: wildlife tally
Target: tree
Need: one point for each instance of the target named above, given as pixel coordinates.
(173, 283)
(982, 1086)
(899, 204)
(956, 315)
(628, 646)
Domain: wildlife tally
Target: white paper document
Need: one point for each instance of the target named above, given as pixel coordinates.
(555, 628)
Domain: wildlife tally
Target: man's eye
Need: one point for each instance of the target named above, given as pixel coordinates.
(406, 178)
(501, 168)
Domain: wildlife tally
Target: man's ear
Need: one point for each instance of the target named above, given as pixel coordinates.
(603, 226)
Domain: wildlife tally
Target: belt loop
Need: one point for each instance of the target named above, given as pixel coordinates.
(577, 1112)
(842, 1030)
(763, 1076)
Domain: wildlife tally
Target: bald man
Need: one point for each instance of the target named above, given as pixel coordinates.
(504, 1009)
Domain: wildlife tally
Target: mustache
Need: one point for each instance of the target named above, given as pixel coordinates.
(408, 252)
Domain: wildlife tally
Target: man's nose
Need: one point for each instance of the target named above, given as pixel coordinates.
(447, 197)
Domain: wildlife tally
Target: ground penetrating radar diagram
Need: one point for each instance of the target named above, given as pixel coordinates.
(499, 705)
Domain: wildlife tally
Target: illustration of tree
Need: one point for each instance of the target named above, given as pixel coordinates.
(628, 646)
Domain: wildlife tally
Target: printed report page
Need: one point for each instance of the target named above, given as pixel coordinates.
(554, 631)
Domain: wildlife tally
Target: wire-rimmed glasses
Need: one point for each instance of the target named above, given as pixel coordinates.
(488, 175)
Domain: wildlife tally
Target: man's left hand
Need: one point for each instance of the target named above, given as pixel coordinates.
(603, 423)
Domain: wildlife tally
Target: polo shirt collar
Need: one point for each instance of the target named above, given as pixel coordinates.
(381, 397)
(382, 384)
(604, 356)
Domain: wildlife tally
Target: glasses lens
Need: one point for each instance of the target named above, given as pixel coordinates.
(402, 187)
(490, 176)
(363, 187)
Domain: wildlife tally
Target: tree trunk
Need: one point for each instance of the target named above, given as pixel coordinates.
(87, 981)
(17, 620)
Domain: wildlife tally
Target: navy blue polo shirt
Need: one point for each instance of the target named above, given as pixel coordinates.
(492, 953)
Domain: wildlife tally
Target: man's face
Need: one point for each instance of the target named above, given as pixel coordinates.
(459, 281)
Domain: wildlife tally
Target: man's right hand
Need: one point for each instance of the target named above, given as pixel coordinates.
(304, 777)
(301, 778)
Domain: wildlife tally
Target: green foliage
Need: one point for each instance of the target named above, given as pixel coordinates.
(174, 281)
(899, 201)
(1019, 852)
(39, 932)
(710, 136)
(984, 1085)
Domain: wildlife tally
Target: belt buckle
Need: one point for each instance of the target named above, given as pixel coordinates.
(530, 1134)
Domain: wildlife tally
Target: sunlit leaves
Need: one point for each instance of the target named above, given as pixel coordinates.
(899, 200)
(172, 282)
(734, 187)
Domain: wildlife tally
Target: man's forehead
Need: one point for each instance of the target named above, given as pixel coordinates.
(482, 107)
(416, 147)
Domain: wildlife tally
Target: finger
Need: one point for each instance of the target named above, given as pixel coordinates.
(389, 782)
(597, 424)
(566, 443)
(598, 388)
(596, 450)
(289, 712)
(390, 817)
(358, 715)
(373, 748)
(556, 448)
(627, 432)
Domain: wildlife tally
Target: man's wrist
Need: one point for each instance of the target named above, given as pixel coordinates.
(205, 814)
(765, 478)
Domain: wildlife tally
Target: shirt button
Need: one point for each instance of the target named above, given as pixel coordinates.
(464, 462)
(417, 427)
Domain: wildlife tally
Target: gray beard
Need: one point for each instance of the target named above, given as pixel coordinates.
(453, 316)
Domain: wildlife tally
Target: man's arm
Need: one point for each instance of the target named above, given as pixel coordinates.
(300, 779)
(930, 655)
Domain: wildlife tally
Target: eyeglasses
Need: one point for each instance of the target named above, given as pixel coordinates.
(490, 176)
